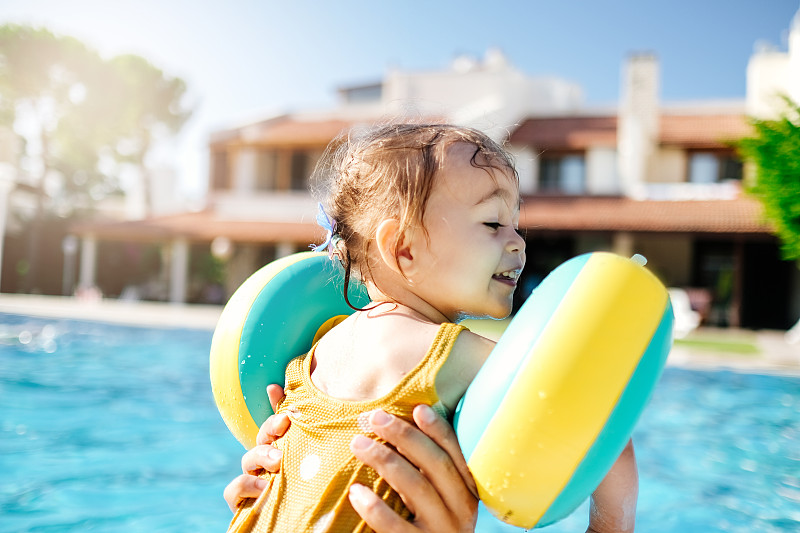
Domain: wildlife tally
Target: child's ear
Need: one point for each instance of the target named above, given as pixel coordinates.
(394, 248)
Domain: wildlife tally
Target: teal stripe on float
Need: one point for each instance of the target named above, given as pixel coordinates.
(615, 434)
(487, 390)
(282, 321)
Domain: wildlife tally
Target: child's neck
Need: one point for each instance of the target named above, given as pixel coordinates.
(407, 303)
(380, 308)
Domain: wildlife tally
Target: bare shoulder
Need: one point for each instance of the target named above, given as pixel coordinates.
(474, 347)
(469, 353)
(364, 358)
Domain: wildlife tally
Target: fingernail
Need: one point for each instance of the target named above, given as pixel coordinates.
(261, 483)
(426, 414)
(379, 418)
(275, 454)
(360, 442)
(358, 494)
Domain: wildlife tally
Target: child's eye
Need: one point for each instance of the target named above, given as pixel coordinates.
(493, 225)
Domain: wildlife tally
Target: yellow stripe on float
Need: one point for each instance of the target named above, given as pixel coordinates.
(562, 396)
(224, 361)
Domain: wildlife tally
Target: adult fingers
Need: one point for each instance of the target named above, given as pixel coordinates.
(412, 486)
(443, 434)
(243, 487)
(376, 513)
(262, 457)
(273, 428)
(436, 455)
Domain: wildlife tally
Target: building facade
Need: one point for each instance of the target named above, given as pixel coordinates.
(661, 180)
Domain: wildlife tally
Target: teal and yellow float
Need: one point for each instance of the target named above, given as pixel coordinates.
(557, 400)
(271, 319)
(548, 413)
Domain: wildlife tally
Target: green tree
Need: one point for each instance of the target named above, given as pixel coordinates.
(138, 104)
(774, 152)
(79, 121)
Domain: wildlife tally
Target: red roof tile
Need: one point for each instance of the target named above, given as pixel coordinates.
(742, 215)
(204, 226)
(566, 133)
(579, 133)
(284, 132)
(702, 131)
(539, 213)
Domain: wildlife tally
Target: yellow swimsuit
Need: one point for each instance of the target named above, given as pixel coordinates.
(310, 492)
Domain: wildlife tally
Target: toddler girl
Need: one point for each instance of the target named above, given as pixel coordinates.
(426, 217)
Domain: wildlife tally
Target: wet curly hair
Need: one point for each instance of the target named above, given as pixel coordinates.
(367, 175)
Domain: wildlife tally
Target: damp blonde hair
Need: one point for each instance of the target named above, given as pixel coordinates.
(388, 171)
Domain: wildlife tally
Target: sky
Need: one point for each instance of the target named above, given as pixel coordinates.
(246, 60)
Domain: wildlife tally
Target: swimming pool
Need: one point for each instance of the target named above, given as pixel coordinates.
(110, 428)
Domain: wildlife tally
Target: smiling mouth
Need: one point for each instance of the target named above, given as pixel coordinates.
(509, 276)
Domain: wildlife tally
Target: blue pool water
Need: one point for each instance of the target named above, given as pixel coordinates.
(110, 428)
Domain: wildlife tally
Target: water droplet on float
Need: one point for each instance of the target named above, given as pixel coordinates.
(542, 394)
(242, 361)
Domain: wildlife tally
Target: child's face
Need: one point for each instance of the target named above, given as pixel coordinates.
(475, 255)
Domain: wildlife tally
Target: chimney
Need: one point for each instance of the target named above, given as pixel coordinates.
(637, 129)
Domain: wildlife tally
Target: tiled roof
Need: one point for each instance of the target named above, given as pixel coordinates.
(204, 226)
(741, 215)
(566, 133)
(702, 131)
(579, 133)
(285, 132)
(539, 213)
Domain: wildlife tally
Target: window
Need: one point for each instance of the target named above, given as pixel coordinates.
(266, 171)
(301, 168)
(713, 167)
(219, 171)
(564, 173)
(365, 93)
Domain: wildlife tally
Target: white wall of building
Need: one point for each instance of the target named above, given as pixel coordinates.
(669, 166)
(602, 176)
(527, 167)
(283, 206)
(637, 134)
(489, 94)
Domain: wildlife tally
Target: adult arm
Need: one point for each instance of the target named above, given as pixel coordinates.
(613, 503)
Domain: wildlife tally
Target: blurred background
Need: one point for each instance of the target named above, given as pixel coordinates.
(160, 151)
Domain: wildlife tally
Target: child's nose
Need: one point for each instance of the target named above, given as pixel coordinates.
(516, 244)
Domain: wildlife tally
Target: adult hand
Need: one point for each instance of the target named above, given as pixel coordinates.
(429, 472)
(262, 457)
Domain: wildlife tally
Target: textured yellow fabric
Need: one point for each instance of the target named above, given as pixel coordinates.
(310, 492)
